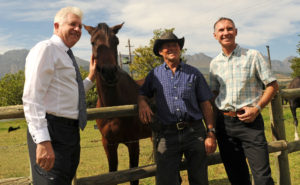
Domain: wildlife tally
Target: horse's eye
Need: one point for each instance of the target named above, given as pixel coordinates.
(92, 43)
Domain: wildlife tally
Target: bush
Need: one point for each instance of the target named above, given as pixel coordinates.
(11, 88)
(12, 85)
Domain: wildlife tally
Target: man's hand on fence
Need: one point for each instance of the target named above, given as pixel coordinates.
(145, 112)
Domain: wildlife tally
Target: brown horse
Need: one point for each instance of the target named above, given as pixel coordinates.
(115, 87)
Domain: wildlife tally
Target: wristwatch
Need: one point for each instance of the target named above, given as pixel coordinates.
(258, 107)
(213, 130)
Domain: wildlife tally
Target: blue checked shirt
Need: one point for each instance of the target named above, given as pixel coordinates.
(177, 96)
(239, 78)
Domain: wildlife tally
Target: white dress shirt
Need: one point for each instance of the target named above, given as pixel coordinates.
(50, 86)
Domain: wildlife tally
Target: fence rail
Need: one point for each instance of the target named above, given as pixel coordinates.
(16, 111)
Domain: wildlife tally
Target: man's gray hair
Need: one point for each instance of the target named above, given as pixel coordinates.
(223, 19)
(62, 14)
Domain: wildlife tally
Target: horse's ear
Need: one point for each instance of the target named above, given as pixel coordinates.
(90, 29)
(116, 28)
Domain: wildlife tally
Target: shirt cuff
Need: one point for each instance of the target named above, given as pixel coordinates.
(88, 84)
(40, 135)
(270, 80)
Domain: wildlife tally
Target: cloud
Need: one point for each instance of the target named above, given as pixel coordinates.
(5, 44)
(259, 21)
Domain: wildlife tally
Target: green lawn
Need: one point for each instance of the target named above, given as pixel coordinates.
(15, 161)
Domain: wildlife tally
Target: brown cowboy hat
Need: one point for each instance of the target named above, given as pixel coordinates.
(166, 37)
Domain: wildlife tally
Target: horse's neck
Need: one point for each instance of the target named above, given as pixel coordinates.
(140, 82)
(123, 93)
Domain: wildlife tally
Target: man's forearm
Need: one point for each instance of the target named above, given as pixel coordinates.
(207, 111)
(142, 99)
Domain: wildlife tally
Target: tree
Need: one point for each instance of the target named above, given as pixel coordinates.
(144, 59)
(91, 96)
(295, 63)
(11, 88)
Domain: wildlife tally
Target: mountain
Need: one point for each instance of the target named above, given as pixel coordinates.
(282, 66)
(14, 60)
(202, 61)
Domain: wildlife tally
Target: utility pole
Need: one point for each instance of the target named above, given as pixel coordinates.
(129, 47)
(120, 60)
(130, 61)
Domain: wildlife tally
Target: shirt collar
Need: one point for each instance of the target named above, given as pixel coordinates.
(59, 42)
(235, 52)
(179, 67)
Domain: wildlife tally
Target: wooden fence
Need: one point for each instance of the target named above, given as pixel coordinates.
(278, 145)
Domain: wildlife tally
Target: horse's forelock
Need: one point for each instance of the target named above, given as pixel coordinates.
(104, 27)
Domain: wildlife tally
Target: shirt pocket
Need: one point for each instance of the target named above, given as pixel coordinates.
(188, 90)
(244, 73)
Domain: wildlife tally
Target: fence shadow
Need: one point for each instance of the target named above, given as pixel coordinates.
(219, 182)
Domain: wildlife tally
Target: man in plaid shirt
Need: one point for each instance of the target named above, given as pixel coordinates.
(237, 78)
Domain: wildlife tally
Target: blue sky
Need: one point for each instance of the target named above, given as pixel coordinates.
(260, 22)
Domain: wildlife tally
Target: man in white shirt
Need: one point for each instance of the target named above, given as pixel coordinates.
(51, 99)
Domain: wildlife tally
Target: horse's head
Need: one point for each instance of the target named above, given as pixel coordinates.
(104, 45)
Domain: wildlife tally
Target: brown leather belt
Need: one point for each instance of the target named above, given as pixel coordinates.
(231, 113)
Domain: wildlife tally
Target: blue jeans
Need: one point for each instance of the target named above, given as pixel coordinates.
(172, 145)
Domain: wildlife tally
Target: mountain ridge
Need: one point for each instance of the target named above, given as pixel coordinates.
(14, 60)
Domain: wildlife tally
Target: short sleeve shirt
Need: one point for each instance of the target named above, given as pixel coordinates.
(177, 95)
(239, 78)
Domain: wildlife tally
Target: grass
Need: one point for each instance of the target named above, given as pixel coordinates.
(15, 161)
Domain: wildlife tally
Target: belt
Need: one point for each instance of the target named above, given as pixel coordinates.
(232, 114)
(181, 125)
(67, 121)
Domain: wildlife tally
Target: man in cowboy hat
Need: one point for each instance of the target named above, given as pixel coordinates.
(182, 100)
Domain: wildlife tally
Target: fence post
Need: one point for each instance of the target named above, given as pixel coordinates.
(74, 180)
(278, 132)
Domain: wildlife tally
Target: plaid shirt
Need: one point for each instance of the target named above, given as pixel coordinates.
(239, 78)
(177, 96)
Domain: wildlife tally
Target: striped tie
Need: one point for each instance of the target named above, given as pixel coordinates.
(81, 92)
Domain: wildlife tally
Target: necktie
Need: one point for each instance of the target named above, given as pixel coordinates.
(81, 92)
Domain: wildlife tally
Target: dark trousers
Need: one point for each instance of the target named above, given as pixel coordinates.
(237, 141)
(65, 140)
(171, 146)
